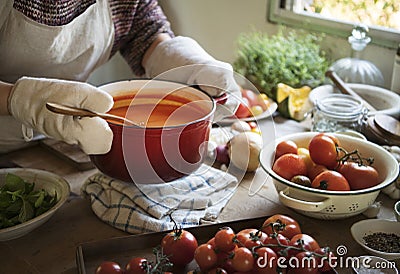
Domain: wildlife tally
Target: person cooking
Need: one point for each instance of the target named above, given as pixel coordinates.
(48, 49)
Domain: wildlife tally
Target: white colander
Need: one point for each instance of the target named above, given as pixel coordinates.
(325, 204)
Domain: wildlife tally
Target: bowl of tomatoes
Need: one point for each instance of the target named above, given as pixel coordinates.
(327, 175)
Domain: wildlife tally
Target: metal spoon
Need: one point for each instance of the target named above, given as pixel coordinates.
(80, 112)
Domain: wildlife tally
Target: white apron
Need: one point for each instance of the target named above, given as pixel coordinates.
(71, 51)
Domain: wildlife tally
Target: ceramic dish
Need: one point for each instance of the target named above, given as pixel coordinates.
(268, 113)
(366, 227)
(48, 181)
(374, 265)
(385, 101)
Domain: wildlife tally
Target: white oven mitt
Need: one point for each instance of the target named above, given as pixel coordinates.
(183, 60)
(27, 103)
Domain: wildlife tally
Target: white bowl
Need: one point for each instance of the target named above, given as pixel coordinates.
(383, 100)
(366, 227)
(325, 204)
(48, 181)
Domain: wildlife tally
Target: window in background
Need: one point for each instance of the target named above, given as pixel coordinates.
(338, 17)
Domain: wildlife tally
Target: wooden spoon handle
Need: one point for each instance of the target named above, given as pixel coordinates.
(345, 89)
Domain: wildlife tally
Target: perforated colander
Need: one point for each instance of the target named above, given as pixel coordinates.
(325, 204)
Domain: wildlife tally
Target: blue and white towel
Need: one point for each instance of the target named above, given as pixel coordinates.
(192, 200)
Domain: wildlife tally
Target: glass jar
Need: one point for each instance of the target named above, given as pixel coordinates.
(339, 112)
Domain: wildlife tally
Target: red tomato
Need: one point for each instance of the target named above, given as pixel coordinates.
(323, 150)
(224, 239)
(275, 239)
(330, 180)
(325, 263)
(250, 237)
(359, 176)
(290, 165)
(243, 109)
(217, 270)
(315, 170)
(137, 266)
(282, 224)
(305, 240)
(306, 264)
(254, 98)
(285, 147)
(179, 245)
(266, 261)
(242, 259)
(205, 256)
(109, 268)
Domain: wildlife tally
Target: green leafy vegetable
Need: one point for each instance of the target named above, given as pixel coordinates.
(20, 202)
(294, 59)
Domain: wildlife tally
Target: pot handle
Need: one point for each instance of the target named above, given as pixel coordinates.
(299, 204)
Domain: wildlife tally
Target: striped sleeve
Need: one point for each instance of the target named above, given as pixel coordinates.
(137, 23)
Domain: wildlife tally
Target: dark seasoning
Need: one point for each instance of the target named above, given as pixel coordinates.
(384, 242)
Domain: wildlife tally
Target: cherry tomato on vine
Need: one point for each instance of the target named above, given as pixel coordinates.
(307, 263)
(359, 176)
(277, 239)
(242, 259)
(303, 240)
(109, 267)
(250, 237)
(224, 239)
(290, 165)
(323, 151)
(325, 263)
(282, 224)
(330, 180)
(137, 265)
(205, 256)
(285, 147)
(179, 245)
(266, 261)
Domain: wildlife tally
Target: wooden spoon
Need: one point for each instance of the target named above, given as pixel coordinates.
(345, 89)
(80, 112)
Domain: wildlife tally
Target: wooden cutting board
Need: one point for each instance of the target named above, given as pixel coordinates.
(70, 153)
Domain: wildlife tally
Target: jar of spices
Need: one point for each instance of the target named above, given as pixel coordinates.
(339, 112)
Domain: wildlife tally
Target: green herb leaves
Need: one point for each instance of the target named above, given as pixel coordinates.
(290, 58)
(20, 202)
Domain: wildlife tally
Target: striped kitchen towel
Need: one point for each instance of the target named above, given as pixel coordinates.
(195, 199)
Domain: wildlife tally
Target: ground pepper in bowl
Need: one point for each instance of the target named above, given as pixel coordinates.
(384, 242)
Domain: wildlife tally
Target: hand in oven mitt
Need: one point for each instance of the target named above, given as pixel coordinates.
(183, 60)
(27, 103)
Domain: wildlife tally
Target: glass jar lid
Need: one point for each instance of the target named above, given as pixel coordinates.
(341, 106)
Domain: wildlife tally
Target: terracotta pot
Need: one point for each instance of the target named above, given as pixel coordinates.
(155, 152)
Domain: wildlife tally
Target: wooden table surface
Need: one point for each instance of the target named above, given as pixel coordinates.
(51, 248)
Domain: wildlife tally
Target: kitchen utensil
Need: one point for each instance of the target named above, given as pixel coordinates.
(80, 112)
(344, 88)
(325, 204)
(157, 153)
(48, 181)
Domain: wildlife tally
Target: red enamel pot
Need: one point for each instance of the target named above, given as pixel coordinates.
(170, 139)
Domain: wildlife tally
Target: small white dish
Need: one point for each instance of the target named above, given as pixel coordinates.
(366, 227)
(374, 265)
(48, 181)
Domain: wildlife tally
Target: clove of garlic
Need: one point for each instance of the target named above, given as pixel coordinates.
(244, 149)
(241, 126)
(373, 210)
